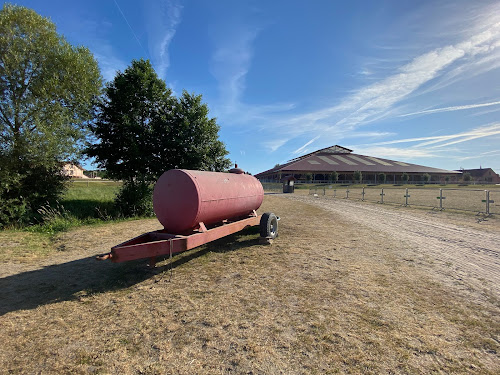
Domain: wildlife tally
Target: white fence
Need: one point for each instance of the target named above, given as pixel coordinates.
(474, 200)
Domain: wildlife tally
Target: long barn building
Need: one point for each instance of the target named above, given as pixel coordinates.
(319, 165)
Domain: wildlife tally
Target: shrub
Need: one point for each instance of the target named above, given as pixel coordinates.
(358, 176)
(405, 177)
(24, 192)
(135, 199)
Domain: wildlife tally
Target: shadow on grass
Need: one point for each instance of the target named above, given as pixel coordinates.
(83, 277)
(87, 208)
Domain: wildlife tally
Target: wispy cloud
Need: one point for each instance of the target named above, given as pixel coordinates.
(109, 63)
(449, 109)
(380, 100)
(480, 155)
(303, 148)
(274, 144)
(96, 38)
(163, 18)
(379, 97)
(447, 140)
(398, 153)
(230, 64)
(128, 24)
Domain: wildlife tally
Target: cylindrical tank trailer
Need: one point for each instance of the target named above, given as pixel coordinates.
(197, 207)
(182, 198)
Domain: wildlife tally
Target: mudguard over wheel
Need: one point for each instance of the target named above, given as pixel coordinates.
(269, 225)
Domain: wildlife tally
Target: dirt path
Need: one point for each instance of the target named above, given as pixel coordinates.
(459, 251)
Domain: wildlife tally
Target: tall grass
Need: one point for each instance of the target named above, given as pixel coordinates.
(84, 203)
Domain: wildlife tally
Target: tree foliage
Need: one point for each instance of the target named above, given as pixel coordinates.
(467, 177)
(382, 178)
(405, 177)
(358, 176)
(47, 87)
(334, 177)
(47, 90)
(142, 130)
(426, 177)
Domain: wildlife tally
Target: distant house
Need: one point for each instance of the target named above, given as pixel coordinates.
(73, 170)
(483, 175)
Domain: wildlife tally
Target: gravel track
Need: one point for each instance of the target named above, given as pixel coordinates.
(463, 253)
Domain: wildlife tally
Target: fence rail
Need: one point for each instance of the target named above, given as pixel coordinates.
(473, 200)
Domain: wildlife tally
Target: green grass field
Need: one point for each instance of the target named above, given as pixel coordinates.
(86, 199)
(84, 203)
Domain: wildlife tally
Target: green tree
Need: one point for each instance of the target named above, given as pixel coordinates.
(426, 177)
(334, 177)
(309, 177)
(143, 131)
(358, 176)
(467, 177)
(382, 178)
(405, 177)
(447, 179)
(48, 88)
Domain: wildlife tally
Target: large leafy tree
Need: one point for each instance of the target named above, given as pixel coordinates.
(142, 130)
(127, 119)
(47, 90)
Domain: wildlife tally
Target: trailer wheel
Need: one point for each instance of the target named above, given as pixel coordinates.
(269, 225)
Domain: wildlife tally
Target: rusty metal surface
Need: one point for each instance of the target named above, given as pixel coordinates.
(184, 198)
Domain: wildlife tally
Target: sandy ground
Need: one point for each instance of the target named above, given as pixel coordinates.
(462, 249)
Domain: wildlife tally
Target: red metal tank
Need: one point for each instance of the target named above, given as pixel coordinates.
(183, 198)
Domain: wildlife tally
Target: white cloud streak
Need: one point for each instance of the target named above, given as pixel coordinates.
(303, 149)
(163, 18)
(274, 144)
(230, 64)
(447, 140)
(129, 26)
(449, 109)
(109, 63)
(378, 101)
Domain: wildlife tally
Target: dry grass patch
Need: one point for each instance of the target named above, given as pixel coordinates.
(324, 298)
(23, 246)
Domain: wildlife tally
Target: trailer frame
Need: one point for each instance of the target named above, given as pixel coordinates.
(153, 244)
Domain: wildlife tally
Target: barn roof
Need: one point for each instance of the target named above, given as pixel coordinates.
(341, 159)
(478, 172)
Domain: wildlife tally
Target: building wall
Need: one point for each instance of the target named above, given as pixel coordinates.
(485, 175)
(72, 170)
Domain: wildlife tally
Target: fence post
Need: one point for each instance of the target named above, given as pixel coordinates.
(487, 202)
(363, 195)
(347, 194)
(324, 191)
(382, 196)
(441, 199)
(406, 197)
(335, 193)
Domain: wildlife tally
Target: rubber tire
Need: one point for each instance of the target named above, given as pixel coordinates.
(269, 225)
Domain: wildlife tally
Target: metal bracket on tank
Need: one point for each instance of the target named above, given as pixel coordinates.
(201, 227)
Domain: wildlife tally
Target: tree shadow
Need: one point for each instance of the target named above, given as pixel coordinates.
(89, 208)
(83, 277)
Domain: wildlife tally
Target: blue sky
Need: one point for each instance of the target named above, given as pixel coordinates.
(416, 81)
